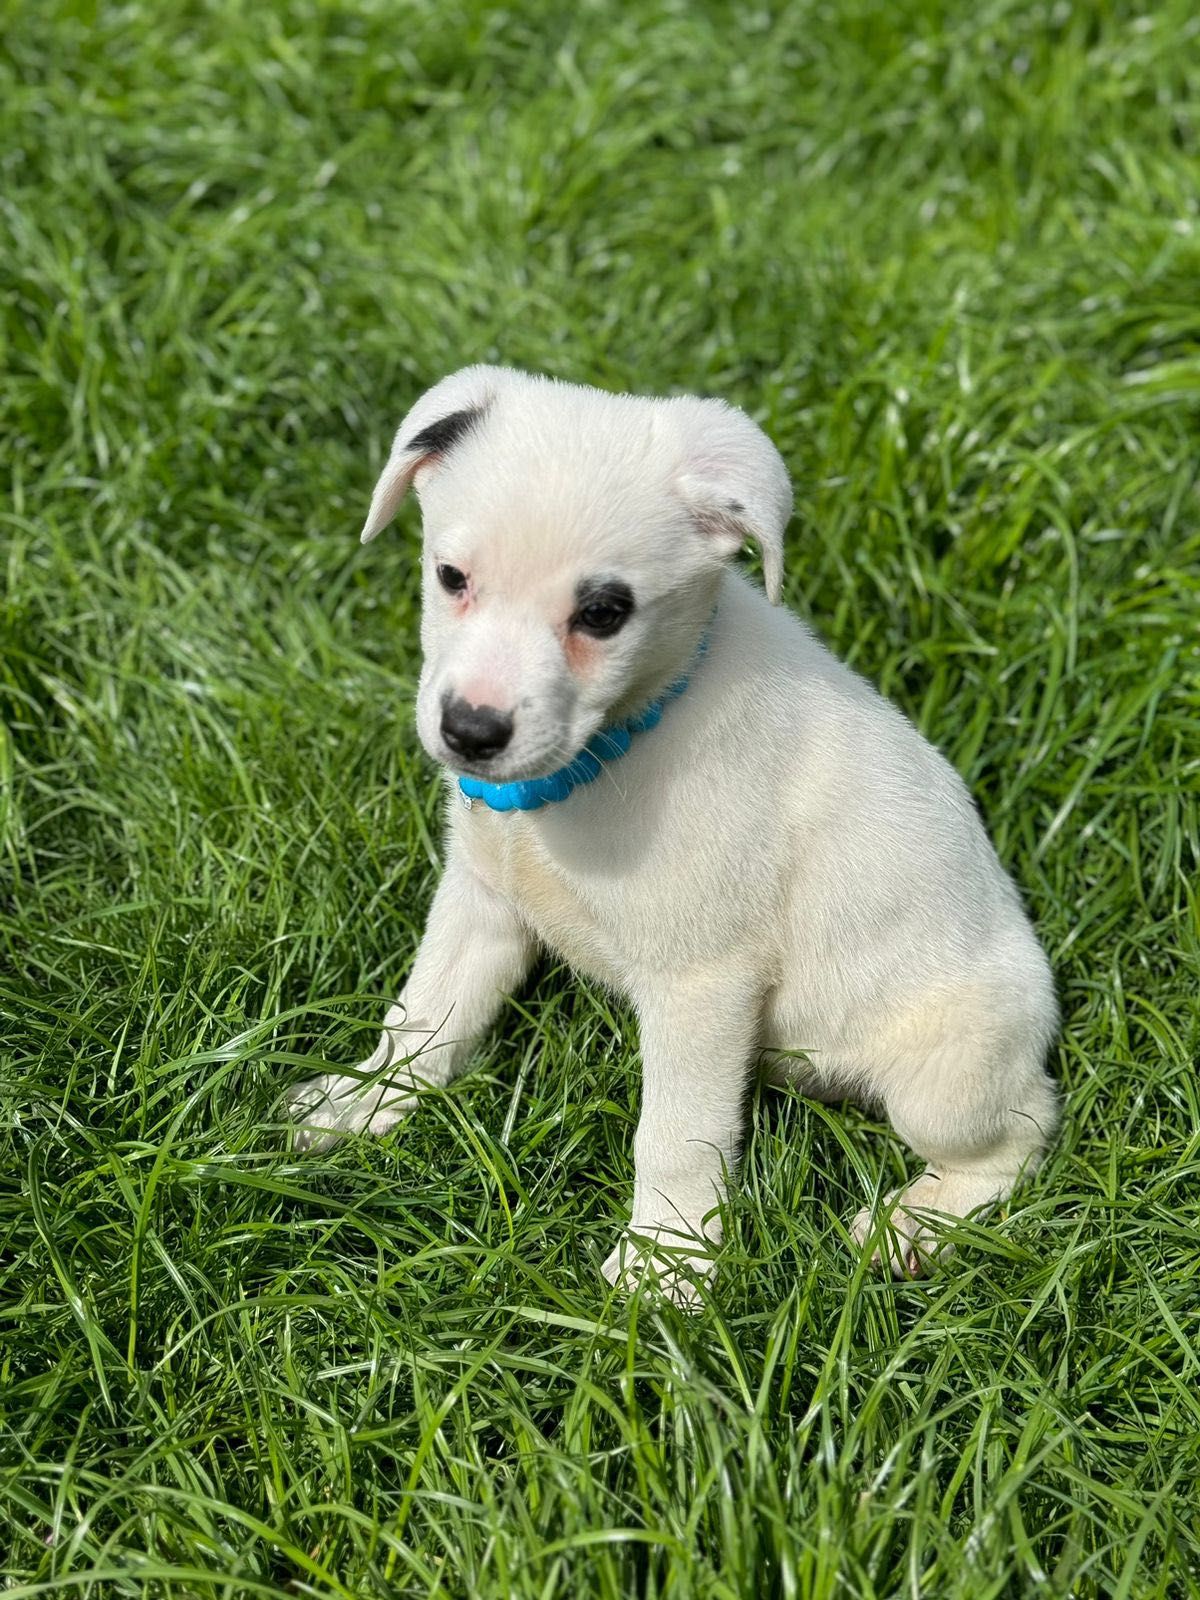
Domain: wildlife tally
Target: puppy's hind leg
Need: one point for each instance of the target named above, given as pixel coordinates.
(981, 1120)
(473, 953)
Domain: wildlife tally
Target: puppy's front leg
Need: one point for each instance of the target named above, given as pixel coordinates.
(473, 953)
(699, 1035)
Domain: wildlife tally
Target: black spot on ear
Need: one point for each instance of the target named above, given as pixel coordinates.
(441, 435)
(736, 505)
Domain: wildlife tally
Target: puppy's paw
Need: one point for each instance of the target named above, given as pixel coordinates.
(896, 1238)
(326, 1108)
(901, 1234)
(908, 1231)
(675, 1269)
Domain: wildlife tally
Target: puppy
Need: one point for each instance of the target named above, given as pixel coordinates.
(675, 787)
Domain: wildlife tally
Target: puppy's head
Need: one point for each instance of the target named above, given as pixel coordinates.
(573, 545)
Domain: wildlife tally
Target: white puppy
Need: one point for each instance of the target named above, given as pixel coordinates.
(780, 864)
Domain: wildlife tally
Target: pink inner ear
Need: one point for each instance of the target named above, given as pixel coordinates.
(730, 523)
(714, 514)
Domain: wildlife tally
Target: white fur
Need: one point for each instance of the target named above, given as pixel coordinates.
(784, 864)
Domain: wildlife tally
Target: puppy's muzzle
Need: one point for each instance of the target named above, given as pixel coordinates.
(475, 732)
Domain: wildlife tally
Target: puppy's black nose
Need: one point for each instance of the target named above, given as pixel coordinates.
(475, 732)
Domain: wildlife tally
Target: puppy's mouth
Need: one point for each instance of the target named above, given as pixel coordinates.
(514, 768)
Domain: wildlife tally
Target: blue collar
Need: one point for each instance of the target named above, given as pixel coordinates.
(610, 744)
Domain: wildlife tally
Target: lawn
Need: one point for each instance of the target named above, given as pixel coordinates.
(949, 255)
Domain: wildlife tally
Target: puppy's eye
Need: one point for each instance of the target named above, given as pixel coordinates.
(451, 579)
(603, 612)
(600, 619)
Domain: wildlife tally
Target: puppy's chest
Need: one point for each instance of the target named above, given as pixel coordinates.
(578, 921)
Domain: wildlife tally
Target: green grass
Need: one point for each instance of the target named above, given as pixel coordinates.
(949, 255)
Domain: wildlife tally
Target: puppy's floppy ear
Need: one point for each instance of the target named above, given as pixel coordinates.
(433, 427)
(734, 481)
